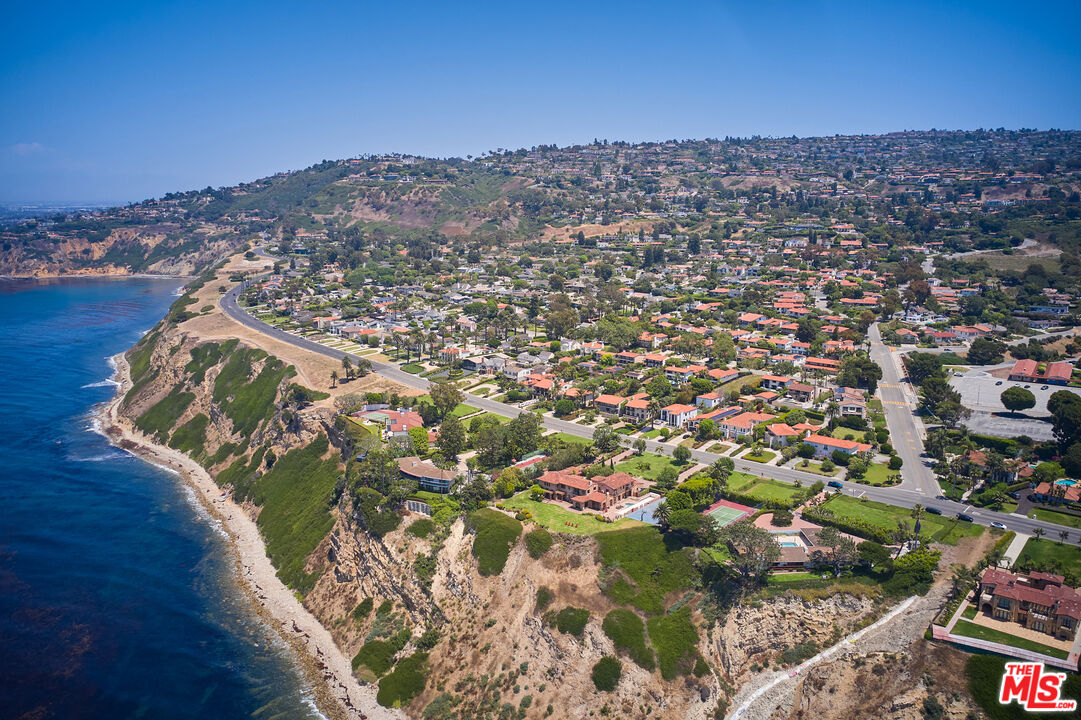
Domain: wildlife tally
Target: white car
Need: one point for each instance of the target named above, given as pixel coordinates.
(998, 525)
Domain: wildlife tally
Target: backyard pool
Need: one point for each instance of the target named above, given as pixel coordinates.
(645, 513)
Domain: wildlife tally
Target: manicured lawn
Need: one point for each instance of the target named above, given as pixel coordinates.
(972, 630)
(647, 465)
(877, 473)
(720, 448)
(792, 577)
(1056, 517)
(490, 416)
(762, 489)
(1039, 551)
(812, 466)
(567, 437)
(650, 434)
(969, 613)
(938, 527)
(556, 518)
(764, 456)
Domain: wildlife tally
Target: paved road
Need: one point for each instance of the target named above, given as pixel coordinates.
(914, 489)
(906, 431)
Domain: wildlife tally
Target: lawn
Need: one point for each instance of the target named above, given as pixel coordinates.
(647, 465)
(1056, 517)
(720, 448)
(1048, 552)
(790, 577)
(650, 434)
(556, 518)
(939, 528)
(969, 613)
(762, 456)
(972, 630)
(877, 473)
(568, 438)
(814, 467)
(461, 409)
(761, 489)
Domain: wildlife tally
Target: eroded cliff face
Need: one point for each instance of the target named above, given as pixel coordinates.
(158, 249)
(492, 650)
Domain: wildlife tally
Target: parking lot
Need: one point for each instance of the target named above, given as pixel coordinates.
(981, 392)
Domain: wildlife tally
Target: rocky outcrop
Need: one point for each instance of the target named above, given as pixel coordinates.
(759, 632)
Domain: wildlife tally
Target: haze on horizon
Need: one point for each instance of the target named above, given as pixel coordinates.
(126, 101)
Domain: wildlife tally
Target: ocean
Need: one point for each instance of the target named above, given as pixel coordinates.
(117, 594)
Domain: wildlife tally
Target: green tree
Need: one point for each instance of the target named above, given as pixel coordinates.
(921, 366)
(605, 439)
(445, 396)
(682, 454)
(755, 550)
(564, 407)
(419, 436)
(451, 440)
(1017, 398)
(985, 351)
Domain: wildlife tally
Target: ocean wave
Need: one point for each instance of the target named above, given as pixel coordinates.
(309, 700)
(103, 383)
(202, 513)
(114, 455)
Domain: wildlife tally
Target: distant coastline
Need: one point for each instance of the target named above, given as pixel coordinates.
(337, 693)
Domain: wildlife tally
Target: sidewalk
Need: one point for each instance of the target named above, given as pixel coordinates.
(1014, 550)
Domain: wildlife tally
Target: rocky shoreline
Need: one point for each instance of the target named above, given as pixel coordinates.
(337, 693)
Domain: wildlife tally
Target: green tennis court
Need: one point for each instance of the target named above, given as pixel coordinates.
(726, 513)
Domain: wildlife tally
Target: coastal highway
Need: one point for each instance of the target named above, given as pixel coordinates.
(914, 489)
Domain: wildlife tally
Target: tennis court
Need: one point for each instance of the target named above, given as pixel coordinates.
(726, 513)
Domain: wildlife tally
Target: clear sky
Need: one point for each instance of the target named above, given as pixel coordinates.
(111, 101)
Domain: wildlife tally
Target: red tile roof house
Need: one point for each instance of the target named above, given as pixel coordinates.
(599, 493)
(775, 382)
(743, 424)
(826, 445)
(637, 408)
(1056, 373)
(677, 415)
(780, 434)
(1038, 601)
(609, 404)
(709, 400)
(800, 392)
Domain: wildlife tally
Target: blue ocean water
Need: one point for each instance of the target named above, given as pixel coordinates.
(117, 597)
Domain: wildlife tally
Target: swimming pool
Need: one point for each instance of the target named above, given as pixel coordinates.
(645, 513)
(1068, 483)
(789, 544)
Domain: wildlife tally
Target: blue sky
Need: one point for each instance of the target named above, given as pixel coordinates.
(124, 101)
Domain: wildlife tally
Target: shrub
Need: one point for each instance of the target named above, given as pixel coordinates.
(896, 463)
(571, 620)
(606, 673)
(537, 542)
(628, 634)
(363, 609)
(782, 518)
(421, 528)
(544, 597)
(676, 640)
(495, 535)
(378, 655)
(405, 683)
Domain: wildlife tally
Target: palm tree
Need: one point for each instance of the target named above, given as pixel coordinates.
(661, 514)
(1063, 536)
(334, 378)
(1039, 532)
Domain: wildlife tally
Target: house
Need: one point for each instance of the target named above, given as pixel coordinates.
(450, 354)
(677, 415)
(599, 493)
(609, 404)
(780, 434)
(723, 375)
(827, 445)
(1056, 373)
(776, 382)
(709, 400)
(801, 392)
(1038, 601)
(637, 408)
(737, 426)
(853, 407)
(428, 476)
(654, 360)
(396, 423)
(824, 364)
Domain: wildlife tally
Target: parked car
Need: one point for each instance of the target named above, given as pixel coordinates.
(934, 511)
(1027, 387)
(835, 484)
(998, 525)
(941, 497)
(1044, 387)
(999, 382)
(966, 518)
(1015, 495)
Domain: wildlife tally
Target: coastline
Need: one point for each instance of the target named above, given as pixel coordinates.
(337, 693)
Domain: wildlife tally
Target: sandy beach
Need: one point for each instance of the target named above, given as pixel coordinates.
(337, 692)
